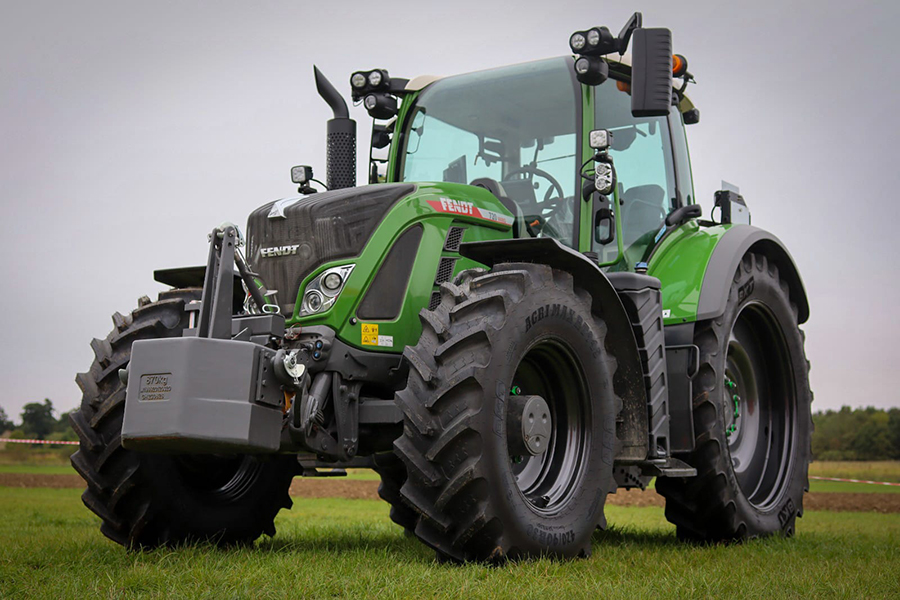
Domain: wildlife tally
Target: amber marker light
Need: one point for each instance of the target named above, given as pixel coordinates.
(679, 65)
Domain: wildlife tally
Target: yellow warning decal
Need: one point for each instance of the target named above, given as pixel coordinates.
(370, 334)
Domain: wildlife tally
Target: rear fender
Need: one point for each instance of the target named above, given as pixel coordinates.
(726, 258)
(696, 266)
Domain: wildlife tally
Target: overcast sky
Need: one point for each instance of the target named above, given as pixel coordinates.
(129, 129)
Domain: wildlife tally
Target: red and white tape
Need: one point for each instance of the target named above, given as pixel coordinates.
(854, 481)
(48, 442)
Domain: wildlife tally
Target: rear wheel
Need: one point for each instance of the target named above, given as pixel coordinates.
(509, 418)
(147, 500)
(751, 417)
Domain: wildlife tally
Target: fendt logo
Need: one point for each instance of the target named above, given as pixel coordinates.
(279, 251)
(460, 207)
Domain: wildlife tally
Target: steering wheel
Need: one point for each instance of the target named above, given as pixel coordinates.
(540, 173)
(551, 204)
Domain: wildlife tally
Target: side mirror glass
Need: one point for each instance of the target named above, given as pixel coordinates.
(651, 73)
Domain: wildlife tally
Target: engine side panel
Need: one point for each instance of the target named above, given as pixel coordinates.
(439, 210)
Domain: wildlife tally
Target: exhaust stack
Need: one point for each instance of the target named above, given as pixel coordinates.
(340, 160)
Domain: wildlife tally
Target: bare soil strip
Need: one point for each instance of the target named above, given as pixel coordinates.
(368, 490)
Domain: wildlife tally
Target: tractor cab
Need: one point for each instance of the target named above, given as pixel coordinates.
(521, 132)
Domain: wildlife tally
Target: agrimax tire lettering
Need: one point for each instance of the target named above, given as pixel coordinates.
(550, 538)
(550, 310)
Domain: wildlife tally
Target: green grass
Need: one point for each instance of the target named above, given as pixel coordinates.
(38, 469)
(50, 547)
(876, 470)
(369, 475)
(854, 488)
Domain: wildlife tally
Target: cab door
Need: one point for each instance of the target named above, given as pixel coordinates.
(642, 152)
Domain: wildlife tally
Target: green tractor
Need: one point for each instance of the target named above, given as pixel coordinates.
(522, 312)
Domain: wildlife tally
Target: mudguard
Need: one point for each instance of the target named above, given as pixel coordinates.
(628, 381)
(727, 256)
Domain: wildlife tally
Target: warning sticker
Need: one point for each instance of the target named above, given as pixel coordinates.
(370, 336)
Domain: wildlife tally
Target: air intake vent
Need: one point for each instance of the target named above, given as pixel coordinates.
(435, 300)
(454, 237)
(445, 270)
(384, 298)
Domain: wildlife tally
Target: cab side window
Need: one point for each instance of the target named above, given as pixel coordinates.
(642, 152)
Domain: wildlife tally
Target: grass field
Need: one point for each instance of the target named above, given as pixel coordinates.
(50, 547)
(881, 470)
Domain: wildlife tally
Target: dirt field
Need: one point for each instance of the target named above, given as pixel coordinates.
(368, 490)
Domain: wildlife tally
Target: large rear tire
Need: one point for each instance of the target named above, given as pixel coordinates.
(148, 500)
(751, 417)
(518, 330)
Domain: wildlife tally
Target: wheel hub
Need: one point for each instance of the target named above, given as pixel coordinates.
(530, 425)
(731, 390)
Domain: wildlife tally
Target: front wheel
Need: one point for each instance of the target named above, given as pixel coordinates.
(509, 418)
(751, 417)
(148, 500)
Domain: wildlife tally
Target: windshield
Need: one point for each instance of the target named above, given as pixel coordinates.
(515, 126)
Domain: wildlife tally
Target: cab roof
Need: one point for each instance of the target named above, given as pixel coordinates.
(419, 83)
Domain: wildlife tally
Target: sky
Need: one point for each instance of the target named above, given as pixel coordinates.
(129, 129)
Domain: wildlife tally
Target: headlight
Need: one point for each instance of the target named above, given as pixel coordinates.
(321, 293)
(593, 37)
(313, 301)
(375, 78)
(358, 80)
(332, 282)
(582, 65)
(576, 42)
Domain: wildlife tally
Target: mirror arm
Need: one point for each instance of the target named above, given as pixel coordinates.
(683, 214)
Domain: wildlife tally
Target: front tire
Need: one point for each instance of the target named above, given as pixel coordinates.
(149, 500)
(751, 417)
(520, 329)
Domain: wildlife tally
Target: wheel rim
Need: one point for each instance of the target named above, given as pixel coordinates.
(759, 406)
(217, 477)
(549, 480)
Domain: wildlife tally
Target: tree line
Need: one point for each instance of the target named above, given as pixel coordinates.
(38, 421)
(856, 434)
(845, 434)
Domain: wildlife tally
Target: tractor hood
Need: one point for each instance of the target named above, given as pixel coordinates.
(288, 238)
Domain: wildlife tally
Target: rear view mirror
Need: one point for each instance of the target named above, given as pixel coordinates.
(651, 73)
